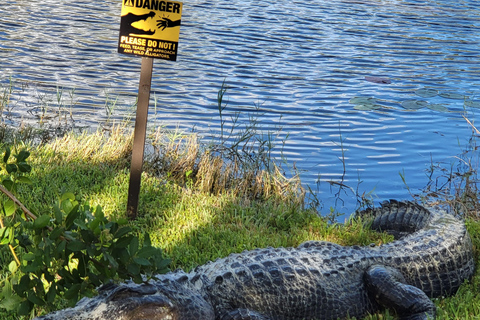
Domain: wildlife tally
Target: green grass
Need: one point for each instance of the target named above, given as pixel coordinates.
(192, 225)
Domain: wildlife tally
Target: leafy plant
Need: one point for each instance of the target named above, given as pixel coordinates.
(67, 253)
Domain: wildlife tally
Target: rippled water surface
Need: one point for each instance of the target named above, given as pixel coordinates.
(297, 65)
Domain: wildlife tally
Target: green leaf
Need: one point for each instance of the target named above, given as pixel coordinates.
(76, 245)
(24, 180)
(67, 206)
(88, 236)
(25, 308)
(147, 242)
(67, 196)
(94, 226)
(81, 224)
(8, 184)
(51, 294)
(111, 260)
(122, 255)
(123, 242)
(99, 213)
(22, 156)
(23, 286)
(142, 261)
(60, 249)
(133, 269)
(32, 267)
(92, 251)
(5, 241)
(9, 207)
(122, 231)
(10, 302)
(35, 299)
(56, 233)
(11, 235)
(113, 226)
(11, 168)
(82, 265)
(72, 293)
(162, 267)
(58, 214)
(133, 246)
(41, 222)
(28, 256)
(3, 232)
(66, 277)
(24, 167)
(71, 217)
(7, 155)
(12, 267)
(122, 221)
(147, 252)
(49, 277)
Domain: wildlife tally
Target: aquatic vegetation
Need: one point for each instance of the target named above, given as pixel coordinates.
(363, 100)
(414, 104)
(370, 103)
(437, 107)
(426, 93)
(365, 103)
(452, 95)
(472, 103)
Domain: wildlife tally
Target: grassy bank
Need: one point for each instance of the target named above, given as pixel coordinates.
(196, 205)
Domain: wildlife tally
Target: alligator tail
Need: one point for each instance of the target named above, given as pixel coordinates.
(396, 218)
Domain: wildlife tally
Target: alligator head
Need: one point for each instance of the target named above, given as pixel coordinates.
(159, 300)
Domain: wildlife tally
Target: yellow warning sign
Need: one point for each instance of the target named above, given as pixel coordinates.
(150, 28)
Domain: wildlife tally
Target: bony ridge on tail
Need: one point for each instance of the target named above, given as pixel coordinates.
(431, 257)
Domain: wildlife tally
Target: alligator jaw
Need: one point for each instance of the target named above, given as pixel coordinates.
(152, 307)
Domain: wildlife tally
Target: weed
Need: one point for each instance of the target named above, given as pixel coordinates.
(454, 184)
(238, 161)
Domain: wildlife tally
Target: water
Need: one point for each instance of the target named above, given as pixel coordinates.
(294, 64)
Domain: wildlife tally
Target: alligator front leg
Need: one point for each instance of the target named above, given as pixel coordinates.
(386, 287)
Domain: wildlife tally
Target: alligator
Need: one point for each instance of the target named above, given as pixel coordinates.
(431, 257)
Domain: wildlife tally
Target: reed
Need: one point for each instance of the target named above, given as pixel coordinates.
(454, 184)
(238, 160)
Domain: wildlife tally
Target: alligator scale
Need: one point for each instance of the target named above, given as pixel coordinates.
(431, 257)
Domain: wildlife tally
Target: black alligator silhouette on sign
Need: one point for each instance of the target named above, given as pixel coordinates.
(127, 20)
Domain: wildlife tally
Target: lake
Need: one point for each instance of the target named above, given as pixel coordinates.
(359, 91)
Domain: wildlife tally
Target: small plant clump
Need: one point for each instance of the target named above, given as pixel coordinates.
(238, 160)
(454, 184)
(66, 253)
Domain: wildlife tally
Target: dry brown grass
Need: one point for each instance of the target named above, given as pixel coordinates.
(214, 170)
(94, 148)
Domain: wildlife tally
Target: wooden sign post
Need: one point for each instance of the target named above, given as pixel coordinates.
(139, 136)
(150, 29)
